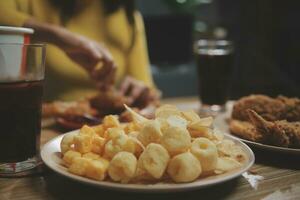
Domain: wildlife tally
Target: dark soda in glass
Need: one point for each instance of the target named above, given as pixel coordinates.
(20, 120)
(214, 67)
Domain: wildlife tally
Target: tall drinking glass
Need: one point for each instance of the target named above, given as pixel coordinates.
(21, 89)
(214, 60)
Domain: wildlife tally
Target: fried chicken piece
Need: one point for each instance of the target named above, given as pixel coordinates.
(109, 102)
(245, 130)
(66, 109)
(279, 133)
(267, 107)
(271, 109)
(292, 108)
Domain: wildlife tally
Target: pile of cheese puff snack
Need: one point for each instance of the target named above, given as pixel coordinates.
(176, 144)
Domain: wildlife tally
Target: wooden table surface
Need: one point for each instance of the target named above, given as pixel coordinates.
(281, 174)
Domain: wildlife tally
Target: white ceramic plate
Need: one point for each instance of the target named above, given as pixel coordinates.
(221, 122)
(52, 158)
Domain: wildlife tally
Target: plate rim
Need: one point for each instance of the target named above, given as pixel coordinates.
(177, 187)
(266, 146)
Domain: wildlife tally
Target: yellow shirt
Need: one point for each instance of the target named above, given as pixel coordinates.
(66, 80)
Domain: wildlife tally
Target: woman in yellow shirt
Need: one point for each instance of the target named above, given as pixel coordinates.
(89, 41)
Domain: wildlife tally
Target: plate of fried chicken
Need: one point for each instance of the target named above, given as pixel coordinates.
(264, 122)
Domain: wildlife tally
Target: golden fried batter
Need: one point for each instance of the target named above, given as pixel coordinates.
(271, 109)
(279, 133)
(245, 130)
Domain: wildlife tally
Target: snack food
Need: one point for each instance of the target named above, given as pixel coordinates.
(153, 161)
(206, 152)
(122, 167)
(72, 115)
(176, 140)
(178, 146)
(184, 168)
(273, 121)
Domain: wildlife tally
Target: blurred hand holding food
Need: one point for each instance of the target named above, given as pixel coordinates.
(74, 114)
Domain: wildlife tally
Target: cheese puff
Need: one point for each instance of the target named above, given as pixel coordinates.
(112, 133)
(132, 127)
(206, 152)
(131, 146)
(91, 156)
(115, 145)
(97, 169)
(138, 146)
(79, 166)
(176, 140)
(110, 149)
(83, 143)
(99, 130)
(69, 156)
(122, 167)
(184, 167)
(153, 160)
(98, 145)
(86, 130)
(110, 121)
(150, 133)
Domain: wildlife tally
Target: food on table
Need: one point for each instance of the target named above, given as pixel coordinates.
(176, 145)
(184, 167)
(176, 140)
(153, 161)
(74, 114)
(150, 133)
(266, 120)
(95, 169)
(281, 133)
(228, 149)
(69, 156)
(279, 108)
(200, 128)
(245, 130)
(226, 164)
(122, 167)
(109, 102)
(167, 110)
(65, 109)
(206, 152)
(91, 155)
(66, 143)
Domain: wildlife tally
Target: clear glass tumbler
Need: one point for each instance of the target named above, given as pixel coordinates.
(22, 69)
(214, 60)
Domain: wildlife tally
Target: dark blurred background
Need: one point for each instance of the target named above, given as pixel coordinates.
(266, 34)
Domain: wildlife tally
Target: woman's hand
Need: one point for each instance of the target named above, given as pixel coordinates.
(92, 56)
(137, 93)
